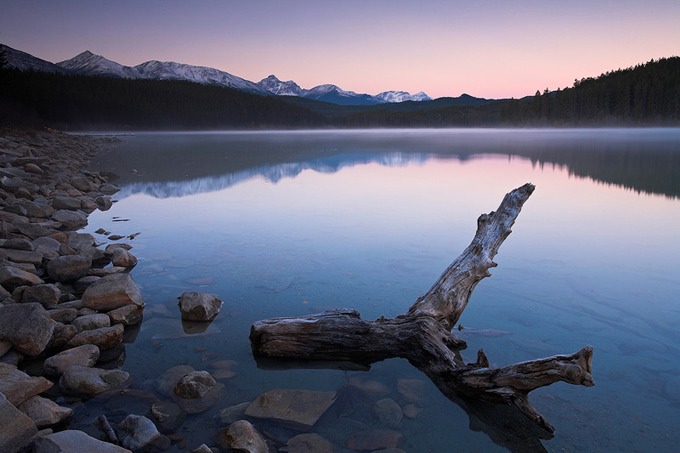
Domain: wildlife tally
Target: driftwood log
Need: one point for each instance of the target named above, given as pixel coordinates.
(424, 335)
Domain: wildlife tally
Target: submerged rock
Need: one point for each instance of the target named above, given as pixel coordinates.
(309, 443)
(299, 409)
(374, 439)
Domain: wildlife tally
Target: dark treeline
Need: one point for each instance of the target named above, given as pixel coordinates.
(82, 102)
(647, 94)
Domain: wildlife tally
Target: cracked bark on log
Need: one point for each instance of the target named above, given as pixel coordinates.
(423, 335)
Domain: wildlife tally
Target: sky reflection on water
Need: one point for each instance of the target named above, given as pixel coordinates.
(369, 221)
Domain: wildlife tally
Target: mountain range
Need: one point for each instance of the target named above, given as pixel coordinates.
(90, 64)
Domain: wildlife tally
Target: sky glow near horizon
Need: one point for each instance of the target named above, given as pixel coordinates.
(486, 48)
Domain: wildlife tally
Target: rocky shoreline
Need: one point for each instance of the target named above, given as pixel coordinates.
(67, 307)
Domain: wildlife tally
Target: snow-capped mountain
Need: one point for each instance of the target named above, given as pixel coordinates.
(275, 86)
(402, 96)
(87, 63)
(26, 62)
(169, 70)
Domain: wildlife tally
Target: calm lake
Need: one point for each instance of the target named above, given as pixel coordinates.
(292, 223)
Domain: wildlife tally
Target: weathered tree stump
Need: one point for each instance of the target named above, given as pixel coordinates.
(423, 335)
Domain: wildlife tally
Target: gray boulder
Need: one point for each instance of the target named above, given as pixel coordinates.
(92, 322)
(69, 268)
(18, 386)
(70, 441)
(44, 412)
(111, 292)
(47, 295)
(11, 277)
(196, 306)
(85, 355)
(71, 220)
(27, 326)
(16, 428)
(122, 258)
(104, 337)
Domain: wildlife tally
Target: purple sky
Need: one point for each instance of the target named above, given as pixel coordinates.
(486, 48)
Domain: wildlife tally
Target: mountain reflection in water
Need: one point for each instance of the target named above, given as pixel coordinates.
(180, 164)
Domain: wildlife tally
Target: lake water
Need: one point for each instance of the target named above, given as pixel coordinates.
(292, 223)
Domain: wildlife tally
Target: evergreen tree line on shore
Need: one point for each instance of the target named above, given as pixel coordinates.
(647, 94)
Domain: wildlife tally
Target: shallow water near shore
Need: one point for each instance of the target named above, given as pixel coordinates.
(291, 223)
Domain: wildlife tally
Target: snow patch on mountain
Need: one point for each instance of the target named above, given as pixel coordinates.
(169, 70)
(273, 85)
(402, 96)
(87, 63)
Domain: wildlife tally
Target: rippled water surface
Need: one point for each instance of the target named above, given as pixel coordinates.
(291, 223)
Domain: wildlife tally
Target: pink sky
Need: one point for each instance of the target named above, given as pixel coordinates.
(486, 48)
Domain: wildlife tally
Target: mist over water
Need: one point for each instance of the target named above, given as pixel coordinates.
(290, 223)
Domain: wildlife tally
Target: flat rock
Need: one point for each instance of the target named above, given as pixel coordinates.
(65, 315)
(49, 247)
(22, 256)
(27, 326)
(12, 276)
(85, 355)
(299, 409)
(18, 386)
(104, 337)
(92, 322)
(242, 436)
(69, 268)
(309, 443)
(87, 381)
(230, 414)
(70, 441)
(44, 412)
(16, 428)
(374, 439)
(196, 306)
(111, 292)
(32, 231)
(18, 244)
